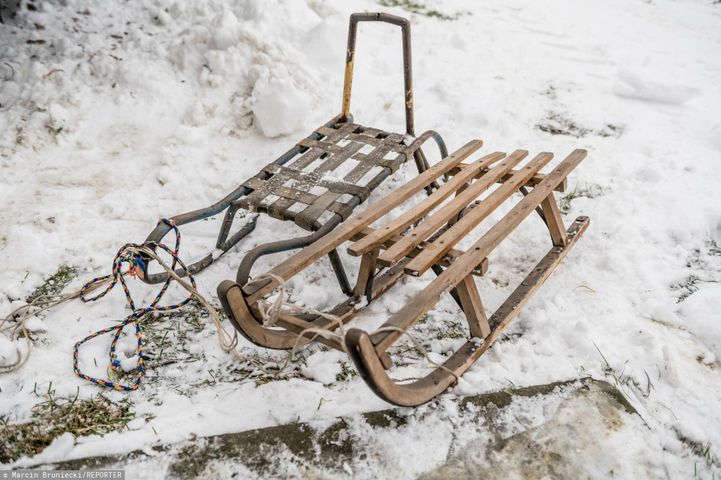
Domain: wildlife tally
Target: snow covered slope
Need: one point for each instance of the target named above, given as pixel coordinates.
(113, 115)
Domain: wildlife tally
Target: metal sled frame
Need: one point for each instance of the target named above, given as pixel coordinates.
(296, 186)
(423, 237)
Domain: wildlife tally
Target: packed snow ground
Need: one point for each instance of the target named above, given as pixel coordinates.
(115, 115)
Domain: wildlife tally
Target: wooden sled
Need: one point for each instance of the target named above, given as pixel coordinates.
(422, 238)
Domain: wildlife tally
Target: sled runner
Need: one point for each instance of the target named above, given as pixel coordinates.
(318, 183)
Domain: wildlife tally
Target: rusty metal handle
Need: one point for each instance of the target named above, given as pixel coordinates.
(407, 68)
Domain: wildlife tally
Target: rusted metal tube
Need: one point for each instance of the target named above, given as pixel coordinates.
(407, 62)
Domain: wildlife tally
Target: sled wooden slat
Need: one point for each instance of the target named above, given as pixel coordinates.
(369, 242)
(422, 302)
(463, 227)
(426, 228)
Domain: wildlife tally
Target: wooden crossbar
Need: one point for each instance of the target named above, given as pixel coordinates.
(358, 222)
(425, 229)
(421, 303)
(369, 242)
(470, 220)
(298, 326)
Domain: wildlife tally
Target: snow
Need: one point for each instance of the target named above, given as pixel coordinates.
(278, 107)
(643, 87)
(323, 366)
(58, 449)
(131, 113)
(8, 352)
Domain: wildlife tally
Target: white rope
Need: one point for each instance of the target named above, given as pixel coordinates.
(227, 341)
(14, 325)
(270, 318)
(271, 315)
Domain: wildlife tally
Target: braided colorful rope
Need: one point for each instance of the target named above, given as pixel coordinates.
(136, 267)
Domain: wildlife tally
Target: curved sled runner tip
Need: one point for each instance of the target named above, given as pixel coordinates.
(231, 297)
(364, 353)
(368, 363)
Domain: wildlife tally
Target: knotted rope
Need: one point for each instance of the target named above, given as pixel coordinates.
(14, 324)
(133, 254)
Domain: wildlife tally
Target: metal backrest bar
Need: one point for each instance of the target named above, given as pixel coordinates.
(407, 69)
